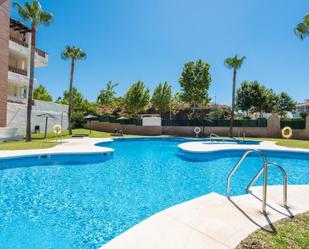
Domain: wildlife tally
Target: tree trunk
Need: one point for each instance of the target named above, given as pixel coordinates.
(70, 97)
(233, 103)
(31, 81)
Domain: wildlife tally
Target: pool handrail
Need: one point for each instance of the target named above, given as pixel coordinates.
(265, 165)
(264, 170)
(285, 181)
(212, 135)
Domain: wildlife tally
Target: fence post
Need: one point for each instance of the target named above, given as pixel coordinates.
(273, 126)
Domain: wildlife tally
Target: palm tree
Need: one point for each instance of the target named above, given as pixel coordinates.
(74, 54)
(302, 29)
(33, 13)
(234, 63)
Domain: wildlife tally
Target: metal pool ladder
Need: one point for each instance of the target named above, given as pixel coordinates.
(214, 135)
(264, 170)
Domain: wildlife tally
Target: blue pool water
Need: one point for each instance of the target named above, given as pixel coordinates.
(84, 202)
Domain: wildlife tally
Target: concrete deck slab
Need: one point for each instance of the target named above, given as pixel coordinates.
(212, 221)
(70, 146)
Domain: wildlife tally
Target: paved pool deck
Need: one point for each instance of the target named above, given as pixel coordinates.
(69, 146)
(208, 222)
(212, 221)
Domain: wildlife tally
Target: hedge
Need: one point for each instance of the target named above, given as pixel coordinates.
(216, 123)
(294, 124)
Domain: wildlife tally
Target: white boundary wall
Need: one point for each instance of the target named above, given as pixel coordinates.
(151, 121)
(17, 115)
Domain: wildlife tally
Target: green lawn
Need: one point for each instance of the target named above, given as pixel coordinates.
(39, 142)
(290, 233)
(294, 143)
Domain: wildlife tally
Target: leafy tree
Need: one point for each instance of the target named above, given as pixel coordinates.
(253, 97)
(216, 114)
(271, 100)
(194, 82)
(40, 93)
(73, 54)
(176, 101)
(263, 100)
(244, 99)
(107, 96)
(78, 119)
(75, 96)
(234, 63)
(302, 29)
(137, 98)
(81, 106)
(304, 115)
(33, 13)
(285, 104)
(88, 108)
(162, 97)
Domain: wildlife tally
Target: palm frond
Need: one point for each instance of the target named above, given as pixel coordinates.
(302, 30)
(306, 19)
(46, 18)
(74, 53)
(229, 63)
(34, 13)
(24, 13)
(234, 62)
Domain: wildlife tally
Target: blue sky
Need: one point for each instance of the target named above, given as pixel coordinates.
(150, 40)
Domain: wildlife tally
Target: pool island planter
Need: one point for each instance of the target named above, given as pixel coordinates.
(204, 151)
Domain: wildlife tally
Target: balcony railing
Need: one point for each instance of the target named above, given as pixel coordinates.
(41, 52)
(22, 43)
(18, 71)
(17, 99)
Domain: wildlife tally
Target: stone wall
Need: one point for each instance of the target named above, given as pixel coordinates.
(17, 115)
(4, 58)
(272, 130)
(127, 129)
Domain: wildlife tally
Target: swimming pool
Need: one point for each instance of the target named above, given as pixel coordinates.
(79, 203)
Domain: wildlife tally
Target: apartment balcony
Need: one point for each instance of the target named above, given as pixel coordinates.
(17, 99)
(18, 71)
(20, 42)
(19, 47)
(18, 76)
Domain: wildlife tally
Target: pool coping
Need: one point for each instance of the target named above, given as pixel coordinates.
(202, 148)
(211, 221)
(73, 146)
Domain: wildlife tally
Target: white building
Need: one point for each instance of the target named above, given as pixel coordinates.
(18, 80)
(300, 108)
(19, 62)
